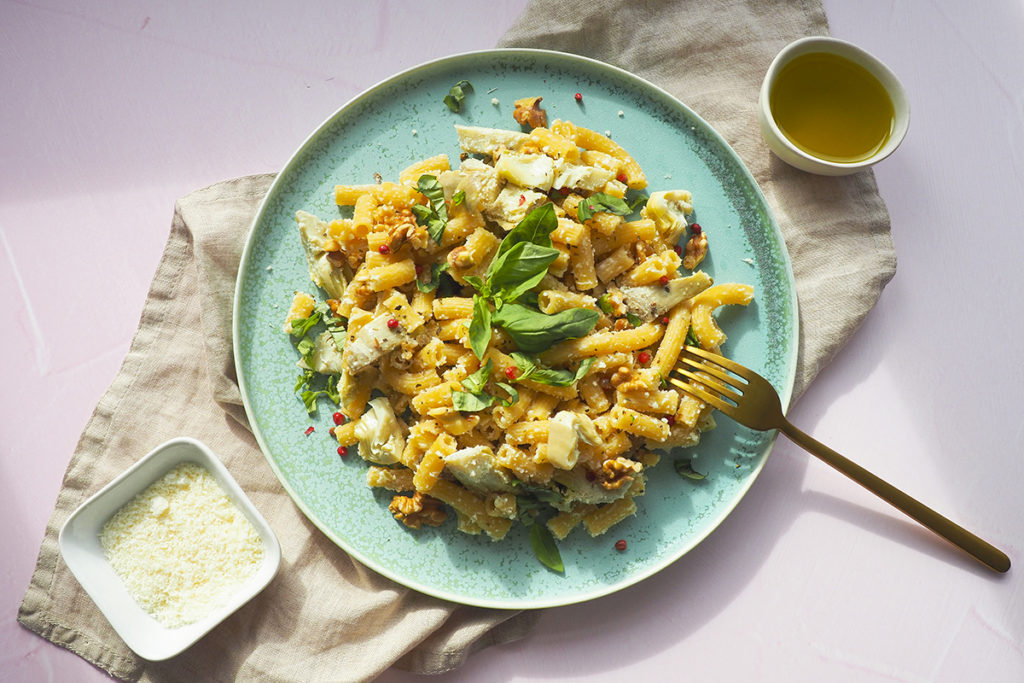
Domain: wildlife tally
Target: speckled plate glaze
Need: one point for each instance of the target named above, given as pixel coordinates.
(402, 120)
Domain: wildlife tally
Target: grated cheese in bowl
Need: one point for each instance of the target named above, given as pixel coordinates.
(170, 548)
(181, 546)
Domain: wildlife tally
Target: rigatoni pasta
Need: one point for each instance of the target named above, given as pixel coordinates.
(496, 335)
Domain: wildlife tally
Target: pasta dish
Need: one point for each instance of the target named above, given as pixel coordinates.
(497, 335)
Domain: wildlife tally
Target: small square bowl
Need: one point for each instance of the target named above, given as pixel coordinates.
(79, 543)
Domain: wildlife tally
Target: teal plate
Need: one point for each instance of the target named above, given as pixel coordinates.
(402, 120)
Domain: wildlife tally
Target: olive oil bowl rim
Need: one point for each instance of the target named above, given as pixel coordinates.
(784, 148)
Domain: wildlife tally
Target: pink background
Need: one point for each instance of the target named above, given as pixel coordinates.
(111, 110)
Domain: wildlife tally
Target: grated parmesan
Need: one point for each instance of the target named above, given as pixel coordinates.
(181, 547)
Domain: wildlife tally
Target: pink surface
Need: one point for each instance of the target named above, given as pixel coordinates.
(112, 110)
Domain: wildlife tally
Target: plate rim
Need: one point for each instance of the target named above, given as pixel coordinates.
(599, 590)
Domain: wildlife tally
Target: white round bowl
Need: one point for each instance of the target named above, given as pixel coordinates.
(795, 156)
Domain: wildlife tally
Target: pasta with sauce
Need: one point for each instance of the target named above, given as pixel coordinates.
(498, 334)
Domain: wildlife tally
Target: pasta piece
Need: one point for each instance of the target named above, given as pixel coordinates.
(605, 517)
(709, 334)
(602, 343)
(433, 166)
(674, 338)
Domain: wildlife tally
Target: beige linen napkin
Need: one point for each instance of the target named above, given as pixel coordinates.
(326, 617)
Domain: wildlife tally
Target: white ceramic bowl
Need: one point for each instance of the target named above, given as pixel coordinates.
(795, 156)
(79, 543)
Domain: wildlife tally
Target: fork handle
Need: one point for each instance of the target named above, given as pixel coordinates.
(980, 550)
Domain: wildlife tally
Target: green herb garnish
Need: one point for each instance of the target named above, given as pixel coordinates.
(458, 198)
(600, 201)
(521, 262)
(303, 325)
(457, 95)
(544, 547)
(531, 369)
(435, 216)
(638, 201)
(691, 337)
(436, 270)
(533, 331)
(634, 320)
(475, 397)
(684, 468)
(605, 304)
(335, 325)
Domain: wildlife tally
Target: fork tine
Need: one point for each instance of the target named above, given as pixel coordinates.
(711, 383)
(703, 395)
(730, 365)
(712, 369)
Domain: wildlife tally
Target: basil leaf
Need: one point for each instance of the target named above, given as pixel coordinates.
(459, 197)
(303, 380)
(467, 402)
(301, 326)
(476, 382)
(434, 217)
(520, 269)
(478, 284)
(684, 468)
(306, 348)
(435, 277)
(544, 547)
(638, 201)
(604, 302)
(533, 331)
(335, 326)
(532, 370)
(480, 326)
(634, 320)
(691, 337)
(536, 228)
(513, 394)
(310, 396)
(600, 201)
(457, 95)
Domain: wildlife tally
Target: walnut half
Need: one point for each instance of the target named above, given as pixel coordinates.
(696, 250)
(615, 473)
(529, 113)
(418, 509)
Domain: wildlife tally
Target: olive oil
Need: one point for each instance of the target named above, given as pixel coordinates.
(831, 108)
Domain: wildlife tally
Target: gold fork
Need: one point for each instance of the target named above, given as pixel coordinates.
(751, 400)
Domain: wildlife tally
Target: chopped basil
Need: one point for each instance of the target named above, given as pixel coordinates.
(458, 198)
(475, 398)
(335, 325)
(638, 201)
(605, 304)
(476, 382)
(306, 347)
(691, 337)
(531, 369)
(634, 320)
(457, 95)
(545, 549)
(436, 270)
(310, 395)
(435, 216)
(470, 403)
(301, 326)
(684, 468)
(480, 326)
(600, 201)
